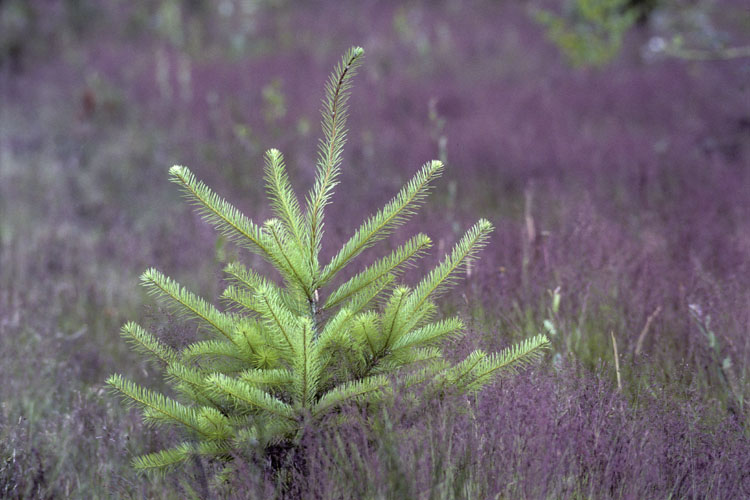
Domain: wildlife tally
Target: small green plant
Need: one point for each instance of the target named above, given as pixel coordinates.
(590, 33)
(721, 368)
(281, 357)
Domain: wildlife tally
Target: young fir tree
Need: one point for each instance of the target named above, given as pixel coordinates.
(283, 356)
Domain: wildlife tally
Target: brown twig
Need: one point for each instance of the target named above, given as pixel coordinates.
(709, 55)
(644, 332)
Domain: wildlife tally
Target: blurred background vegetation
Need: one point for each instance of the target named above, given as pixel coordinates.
(608, 140)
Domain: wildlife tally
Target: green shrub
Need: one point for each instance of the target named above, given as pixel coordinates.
(591, 32)
(283, 357)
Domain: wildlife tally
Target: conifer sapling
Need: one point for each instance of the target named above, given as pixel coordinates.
(280, 357)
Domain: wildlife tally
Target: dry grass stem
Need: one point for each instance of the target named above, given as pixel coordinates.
(644, 332)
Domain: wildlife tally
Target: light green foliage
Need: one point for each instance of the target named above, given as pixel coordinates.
(590, 32)
(282, 357)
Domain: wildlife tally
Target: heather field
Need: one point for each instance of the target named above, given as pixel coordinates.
(619, 192)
